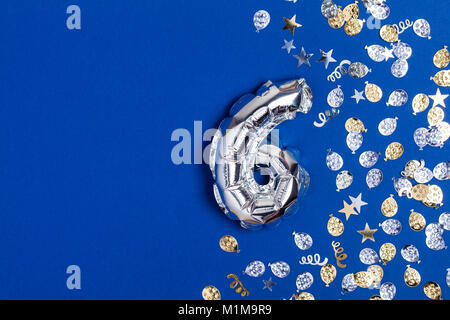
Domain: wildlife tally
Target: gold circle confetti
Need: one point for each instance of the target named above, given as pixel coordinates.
(442, 78)
(410, 168)
(328, 274)
(335, 226)
(417, 221)
(387, 252)
(303, 296)
(229, 244)
(355, 125)
(338, 21)
(351, 11)
(353, 27)
(363, 279)
(420, 103)
(394, 151)
(412, 277)
(435, 196)
(432, 290)
(389, 33)
(373, 92)
(211, 293)
(435, 116)
(377, 273)
(389, 207)
(375, 297)
(419, 192)
(442, 58)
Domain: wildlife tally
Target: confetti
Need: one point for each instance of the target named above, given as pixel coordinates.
(280, 269)
(237, 285)
(368, 256)
(442, 58)
(328, 274)
(410, 253)
(229, 244)
(313, 260)
(387, 126)
(432, 290)
(339, 254)
(335, 226)
(344, 179)
(373, 92)
(288, 45)
(326, 58)
(392, 227)
(367, 233)
(303, 58)
(374, 178)
(304, 281)
(422, 28)
(412, 277)
(389, 207)
(255, 269)
(261, 20)
(302, 240)
(387, 252)
(358, 96)
(211, 293)
(336, 97)
(439, 99)
(354, 141)
(387, 291)
(334, 160)
(416, 221)
(389, 33)
(397, 98)
(291, 24)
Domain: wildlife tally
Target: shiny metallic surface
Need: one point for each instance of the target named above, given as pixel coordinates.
(240, 148)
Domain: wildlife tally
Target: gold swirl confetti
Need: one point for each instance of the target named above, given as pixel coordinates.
(420, 103)
(338, 21)
(355, 125)
(432, 290)
(377, 273)
(389, 207)
(353, 27)
(387, 252)
(389, 33)
(339, 254)
(417, 221)
(373, 92)
(442, 78)
(237, 285)
(335, 226)
(328, 274)
(303, 296)
(394, 151)
(229, 244)
(211, 293)
(442, 58)
(419, 192)
(363, 279)
(412, 277)
(351, 11)
(435, 116)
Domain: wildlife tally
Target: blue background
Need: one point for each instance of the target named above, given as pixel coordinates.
(86, 117)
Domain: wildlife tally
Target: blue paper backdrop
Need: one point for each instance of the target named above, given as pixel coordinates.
(86, 118)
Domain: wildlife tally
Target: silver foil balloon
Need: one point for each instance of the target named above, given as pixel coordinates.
(387, 126)
(434, 229)
(334, 160)
(380, 11)
(368, 159)
(399, 68)
(423, 175)
(422, 28)
(348, 283)
(387, 291)
(239, 149)
(442, 171)
(358, 70)
(444, 220)
(280, 269)
(435, 137)
(304, 281)
(402, 50)
(255, 269)
(368, 256)
(261, 20)
(403, 187)
(374, 178)
(376, 52)
(420, 137)
(397, 98)
(344, 179)
(302, 240)
(329, 9)
(410, 253)
(354, 141)
(336, 97)
(392, 227)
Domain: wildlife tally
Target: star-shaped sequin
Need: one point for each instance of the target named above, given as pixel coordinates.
(439, 99)
(388, 53)
(291, 24)
(359, 95)
(348, 210)
(367, 233)
(357, 202)
(326, 57)
(288, 45)
(268, 284)
(303, 58)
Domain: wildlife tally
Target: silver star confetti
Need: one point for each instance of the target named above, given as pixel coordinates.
(288, 45)
(357, 202)
(439, 99)
(303, 58)
(268, 284)
(326, 57)
(358, 96)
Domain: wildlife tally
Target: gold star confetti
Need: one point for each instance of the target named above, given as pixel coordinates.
(442, 58)
(291, 24)
(348, 210)
(367, 233)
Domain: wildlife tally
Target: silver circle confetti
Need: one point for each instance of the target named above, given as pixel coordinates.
(304, 281)
(422, 28)
(374, 178)
(334, 160)
(329, 9)
(376, 52)
(368, 159)
(336, 97)
(402, 50)
(344, 179)
(444, 220)
(368, 256)
(261, 20)
(255, 269)
(399, 68)
(410, 253)
(423, 175)
(421, 137)
(397, 98)
(358, 70)
(280, 269)
(392, 227)
(348, 283)
(303, 240)
(354, 141)
(387, 291)
(387, 126)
